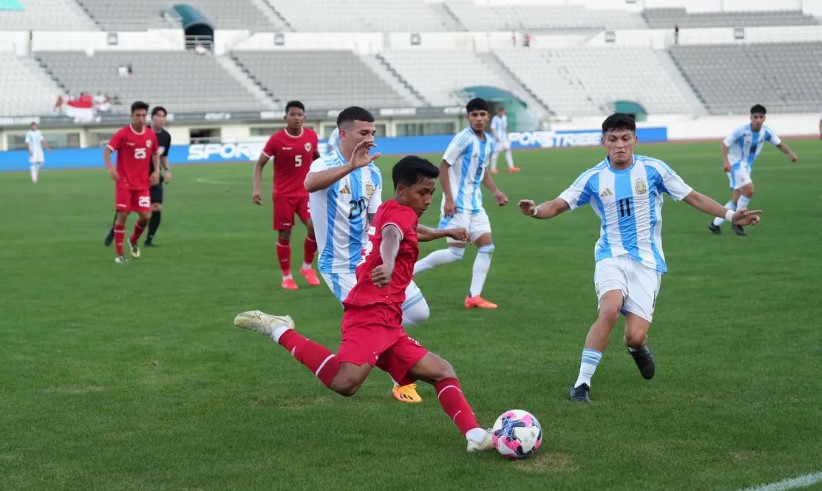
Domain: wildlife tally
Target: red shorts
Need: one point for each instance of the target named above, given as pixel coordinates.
(374, 335)
(126, 199)
(285, 207)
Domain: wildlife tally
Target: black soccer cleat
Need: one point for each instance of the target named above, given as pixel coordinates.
(580, 393)
(109, 237)
(149, 243)
(645, 362)
(739, 230)
(715, 229)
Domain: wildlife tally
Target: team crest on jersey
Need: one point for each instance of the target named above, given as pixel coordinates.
(308, 147)
(369, 189)
(640, 187)
(148, 143)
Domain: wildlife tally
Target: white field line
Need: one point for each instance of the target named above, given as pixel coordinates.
(795, 483)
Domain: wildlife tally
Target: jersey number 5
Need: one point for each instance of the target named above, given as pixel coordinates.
(298, 161)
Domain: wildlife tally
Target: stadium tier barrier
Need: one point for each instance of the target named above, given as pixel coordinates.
(17, 160)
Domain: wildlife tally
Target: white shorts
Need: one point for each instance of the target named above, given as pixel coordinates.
(36, 158)
(739, 177)
(502, 145)
(477, 224)
(342, 283)
(639, 284)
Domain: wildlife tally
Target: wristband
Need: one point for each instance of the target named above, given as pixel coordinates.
(534, 213)
(729, 216)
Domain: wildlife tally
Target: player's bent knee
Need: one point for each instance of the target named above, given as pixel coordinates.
(609, 314)
(458, 252)
(415, 313)
(346, 386)
(486, 249)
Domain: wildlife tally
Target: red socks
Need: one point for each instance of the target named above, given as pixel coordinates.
(284, 256)
(138, 230)
(454, 404)
(310, 248)
(119, 237)
(316, 357)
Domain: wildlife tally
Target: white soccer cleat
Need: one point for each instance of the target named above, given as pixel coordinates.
(486, 444)
(120, 259)
(255, 320)
(134, 249)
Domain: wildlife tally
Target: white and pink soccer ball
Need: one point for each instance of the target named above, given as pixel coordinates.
(517, 434)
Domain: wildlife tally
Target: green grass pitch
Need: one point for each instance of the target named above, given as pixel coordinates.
(133, 377)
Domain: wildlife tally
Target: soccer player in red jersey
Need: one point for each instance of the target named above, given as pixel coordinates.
(372, 332)
(293, 149)
(137, 150)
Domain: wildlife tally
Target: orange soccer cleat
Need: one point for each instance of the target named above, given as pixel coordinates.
(310, 276)
(406, 393)
(478, 302)
(514, 169)
(289, 284)
(494, 171)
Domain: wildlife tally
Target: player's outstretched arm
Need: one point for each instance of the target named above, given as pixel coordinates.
(256, 193)
(389, 248)
(548, 209)
(786, 150)
(489, 183)
(317, 181)
(711, 207)
(427, 234)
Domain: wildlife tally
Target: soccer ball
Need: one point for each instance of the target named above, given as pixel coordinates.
(517, 434)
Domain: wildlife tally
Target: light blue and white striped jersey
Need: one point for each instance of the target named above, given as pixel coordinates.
(500, 126)
(333, 142)
(340, 212)
(467, 156)
(744, 145)
(35, 140)
(629, 204)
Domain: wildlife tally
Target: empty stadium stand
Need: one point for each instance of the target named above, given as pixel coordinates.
(180, 80)
(145, 14)
(320, 79)
(784, 77)
(54, 15)
(587, 81)
(26, 90)
(360, 16)
(669, 17)
(439, 76)
(536, 17)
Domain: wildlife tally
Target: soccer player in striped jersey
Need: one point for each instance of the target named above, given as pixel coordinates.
(625, 191)
(35, 143)
(345, 191)
(462, 173)
(739, 151)
(499, 128)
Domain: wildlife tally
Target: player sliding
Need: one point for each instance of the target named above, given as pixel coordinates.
(625, 192)
(372, 332)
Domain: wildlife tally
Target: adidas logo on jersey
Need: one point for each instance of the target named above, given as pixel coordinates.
(345, 190)
(606, 193)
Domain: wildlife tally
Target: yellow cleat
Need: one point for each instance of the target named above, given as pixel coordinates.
(406, 393)
(261, 322)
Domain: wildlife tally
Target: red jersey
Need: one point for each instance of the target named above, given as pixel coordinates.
(292, 156)
(393, 294)
(134, 151)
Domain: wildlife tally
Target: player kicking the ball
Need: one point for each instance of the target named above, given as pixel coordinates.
(372, 332)
(625, 191)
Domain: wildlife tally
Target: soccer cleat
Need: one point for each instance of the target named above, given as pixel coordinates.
(120, 259)
(310, 276)
(134, 249)
(406, 393)
(494, 171)
(514, 169)
(149, 243)
(478, 302)
(645, 362)
(289, 284)
(738, 229)
(486, 444)
(715, 229)
(255, 320)
(109, 237)
(580, 393)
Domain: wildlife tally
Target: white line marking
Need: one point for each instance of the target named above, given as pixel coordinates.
(795, 483)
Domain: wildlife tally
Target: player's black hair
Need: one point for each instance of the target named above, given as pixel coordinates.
(354, 113)
(412, 169)
(139, 105)
(758, 109)
(294, 104)
(477, 104)
(159, 109)
(618, 122)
